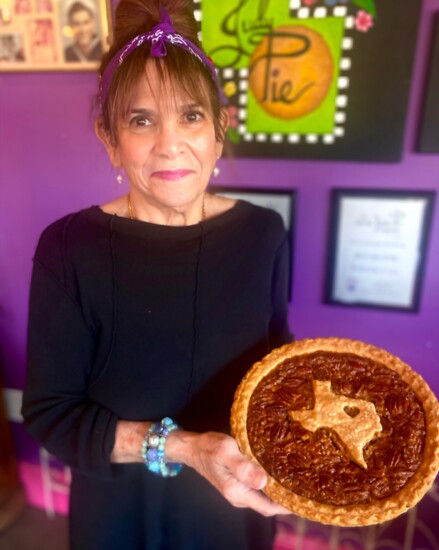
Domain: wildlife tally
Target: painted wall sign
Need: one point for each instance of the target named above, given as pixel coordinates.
(313, 78)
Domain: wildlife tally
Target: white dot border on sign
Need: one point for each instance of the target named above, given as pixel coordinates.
(303, 13)
(295, 4)
(320, 13)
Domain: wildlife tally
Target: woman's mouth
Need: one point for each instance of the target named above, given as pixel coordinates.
(171, 175)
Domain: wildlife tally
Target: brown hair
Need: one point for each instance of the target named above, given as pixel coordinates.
(183, 70)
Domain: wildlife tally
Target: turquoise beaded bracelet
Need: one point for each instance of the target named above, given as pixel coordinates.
(153, 448)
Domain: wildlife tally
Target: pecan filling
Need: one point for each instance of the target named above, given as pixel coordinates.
(319, 464)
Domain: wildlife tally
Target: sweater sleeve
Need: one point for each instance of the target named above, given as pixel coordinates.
(56, 409)
(279, 330)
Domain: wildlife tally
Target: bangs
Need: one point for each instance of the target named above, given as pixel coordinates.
(180, 74)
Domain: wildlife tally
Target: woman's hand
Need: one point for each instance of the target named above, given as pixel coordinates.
(213, 455)
(216, 457)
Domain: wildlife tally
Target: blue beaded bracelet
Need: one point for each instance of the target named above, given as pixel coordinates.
(153, 448)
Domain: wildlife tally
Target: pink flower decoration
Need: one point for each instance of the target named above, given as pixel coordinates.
(309, 2)
(233, 116)
(363, 21)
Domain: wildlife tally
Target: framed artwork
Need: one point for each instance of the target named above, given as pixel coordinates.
(377, 247)
(279, 200)
(38, 35)
(320, 79)
(429, 135)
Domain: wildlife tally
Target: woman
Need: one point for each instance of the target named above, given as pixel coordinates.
(154, 306)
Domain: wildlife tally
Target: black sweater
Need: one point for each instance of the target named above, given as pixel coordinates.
(136, 321)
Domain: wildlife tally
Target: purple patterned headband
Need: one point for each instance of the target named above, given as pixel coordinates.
(158, 36)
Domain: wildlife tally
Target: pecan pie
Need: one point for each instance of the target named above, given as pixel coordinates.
(347, 433)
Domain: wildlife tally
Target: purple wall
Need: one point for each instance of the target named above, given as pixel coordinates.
(51, 164)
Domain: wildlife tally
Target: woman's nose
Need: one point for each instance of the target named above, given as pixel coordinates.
(169, 141)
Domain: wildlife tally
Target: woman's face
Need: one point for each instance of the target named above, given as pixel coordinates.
(166, 145)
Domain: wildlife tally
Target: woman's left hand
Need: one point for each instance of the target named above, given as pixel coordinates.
(216, 457)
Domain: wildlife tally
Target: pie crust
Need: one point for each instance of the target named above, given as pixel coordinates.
(357, 437)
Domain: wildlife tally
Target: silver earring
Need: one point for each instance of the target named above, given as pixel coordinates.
(119, 179)
(216, 172)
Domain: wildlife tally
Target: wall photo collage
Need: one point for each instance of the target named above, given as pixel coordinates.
(52, 34)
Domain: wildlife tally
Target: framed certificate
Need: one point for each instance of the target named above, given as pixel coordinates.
(377, 247)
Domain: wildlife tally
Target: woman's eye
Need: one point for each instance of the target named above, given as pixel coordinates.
(140, 121)
(193, 116)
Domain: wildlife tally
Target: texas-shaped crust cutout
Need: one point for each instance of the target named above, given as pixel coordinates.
(355, 421)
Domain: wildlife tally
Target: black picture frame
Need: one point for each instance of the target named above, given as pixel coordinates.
(429, 131)
(282, 201)
(377, 248)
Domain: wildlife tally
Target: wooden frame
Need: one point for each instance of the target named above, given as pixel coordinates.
(52, 35)
(377, 247)
(280, 200)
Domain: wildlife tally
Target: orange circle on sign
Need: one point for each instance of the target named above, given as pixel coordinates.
(291, 71)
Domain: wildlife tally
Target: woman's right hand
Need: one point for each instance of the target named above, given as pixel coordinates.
(216, 457)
